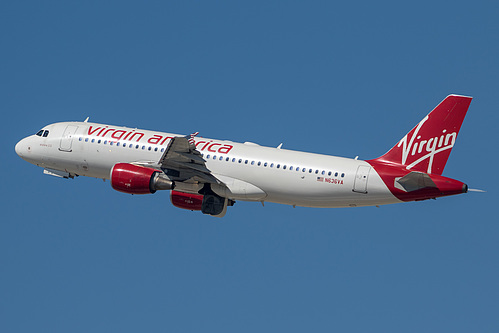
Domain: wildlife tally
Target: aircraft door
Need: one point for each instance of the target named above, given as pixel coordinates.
(67, 138)
(360, 182)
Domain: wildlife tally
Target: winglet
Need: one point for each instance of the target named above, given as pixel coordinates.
(191, 137)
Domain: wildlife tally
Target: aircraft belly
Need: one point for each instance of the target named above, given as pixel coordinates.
(238, 189)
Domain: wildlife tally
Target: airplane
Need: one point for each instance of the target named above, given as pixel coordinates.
(209, 175)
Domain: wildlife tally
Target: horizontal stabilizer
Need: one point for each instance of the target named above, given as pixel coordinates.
(414, 181)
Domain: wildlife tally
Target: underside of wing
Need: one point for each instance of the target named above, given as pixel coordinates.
(181, 162)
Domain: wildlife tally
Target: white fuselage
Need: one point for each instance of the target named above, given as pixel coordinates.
(250, 171)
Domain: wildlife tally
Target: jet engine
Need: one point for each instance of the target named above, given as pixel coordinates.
(186, 200)
(208, 203)
(135, 179)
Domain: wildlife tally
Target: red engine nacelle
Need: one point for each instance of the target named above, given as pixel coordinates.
(186, 200)
(134, 179)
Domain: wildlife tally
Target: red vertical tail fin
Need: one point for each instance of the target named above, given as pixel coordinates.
(427, 146)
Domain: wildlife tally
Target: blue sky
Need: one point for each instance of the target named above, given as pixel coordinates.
(339, 78)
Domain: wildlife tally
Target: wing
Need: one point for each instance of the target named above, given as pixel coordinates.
(182, 162)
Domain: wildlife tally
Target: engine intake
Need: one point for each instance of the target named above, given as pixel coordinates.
(135, 179)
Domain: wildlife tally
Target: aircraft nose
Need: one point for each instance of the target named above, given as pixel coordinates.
(22, 148)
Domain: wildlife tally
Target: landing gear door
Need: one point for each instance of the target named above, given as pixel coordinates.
(67, 138)
(360, 183)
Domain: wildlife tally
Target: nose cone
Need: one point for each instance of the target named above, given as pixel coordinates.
(18, 149)
(23, 148)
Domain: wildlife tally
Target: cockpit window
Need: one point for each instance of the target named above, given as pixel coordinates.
(40, 132)
(45, 134)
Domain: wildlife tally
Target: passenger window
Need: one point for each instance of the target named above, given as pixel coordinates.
(156, 149)
(79, 139)
(105, 142)
(329, 173)
(271, 165)
(98, 141)
(342, 175)
(265, 164)
(278, 166)
(208, 156)
(290, 168)
(336, 174)
(221, 158)
(309, 170)
(323, 172)
(252, 162)
(233, 160)
(214, 157)
(259, 163)
(240, 160)
(246, 162)
(111, 143)
(93, 140)
(162, 149)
